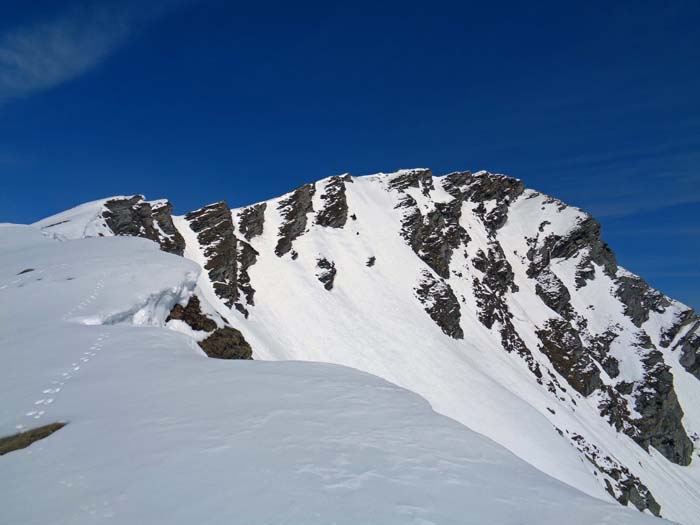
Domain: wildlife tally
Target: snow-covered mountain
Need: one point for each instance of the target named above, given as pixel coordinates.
(139, 426)
(501, 306)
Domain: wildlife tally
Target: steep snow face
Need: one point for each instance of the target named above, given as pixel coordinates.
(500, 305)
(158, 433)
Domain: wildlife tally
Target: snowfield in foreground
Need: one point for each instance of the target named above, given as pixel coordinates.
(159, 433)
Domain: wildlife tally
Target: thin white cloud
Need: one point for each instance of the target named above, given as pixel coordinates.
(38, 57)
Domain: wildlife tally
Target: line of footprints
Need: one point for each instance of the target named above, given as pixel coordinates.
(98, 287)
(50, 392)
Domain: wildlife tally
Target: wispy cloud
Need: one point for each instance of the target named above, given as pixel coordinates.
(40, 56)
(672, 231)
(633, 181)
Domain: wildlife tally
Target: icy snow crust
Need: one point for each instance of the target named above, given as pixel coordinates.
(158, 433)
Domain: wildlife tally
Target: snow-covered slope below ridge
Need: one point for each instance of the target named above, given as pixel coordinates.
(501, 306)
(158, 433)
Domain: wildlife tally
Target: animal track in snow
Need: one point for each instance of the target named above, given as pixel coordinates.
(57, 384)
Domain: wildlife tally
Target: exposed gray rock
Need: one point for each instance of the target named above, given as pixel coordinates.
(327, 271)
(688, 344)
(487, 186)
(620, 483)
(489, 291)
(661, 423)
(483, 187)
(639, 298)
(228, 257)
(214, 229)
(563, 346)
(137, 218)
(455, 183)
(223, 342)
(441, 304)
(246, 256)
(689, 347)
(554, 293)
(294, 210)
(435, 236)
(599, 347)
(584, 241)
(370, 262)
(418, 178)
(335, 208)
(251, 220)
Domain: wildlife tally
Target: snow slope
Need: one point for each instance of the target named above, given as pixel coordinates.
(159, 433)
(371, 321)
(501, 306)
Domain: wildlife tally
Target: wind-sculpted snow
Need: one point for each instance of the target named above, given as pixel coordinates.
(502, 306)
(155, 432)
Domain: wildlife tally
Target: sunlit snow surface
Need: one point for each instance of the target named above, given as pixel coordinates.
(158, 433)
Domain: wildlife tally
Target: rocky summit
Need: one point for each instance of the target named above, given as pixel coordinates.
(501, 306)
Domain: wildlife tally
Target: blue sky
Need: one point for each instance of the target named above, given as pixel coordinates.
(595, 103)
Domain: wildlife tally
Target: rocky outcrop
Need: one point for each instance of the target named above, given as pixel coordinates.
(497, 280)
(620, 483)
(293, 211)
(441, 304)
(684, 334)
(214, 229)
(251, 220)
(639, 298)
(554, 293)
(689, 347)
(246, 256)
(584, 235)
(226, 343)
(418, 178)
(583, 241)
(563, 346)
(483, 187)
(599, 347)
(191, 314)
(138, 218)
(222, 342)
(326, 272)
(658, 416)
(335, 205)
(488, 187)
(660, 424)
(435, 236)
(24, 439)
(456, 183)
(228, 257)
